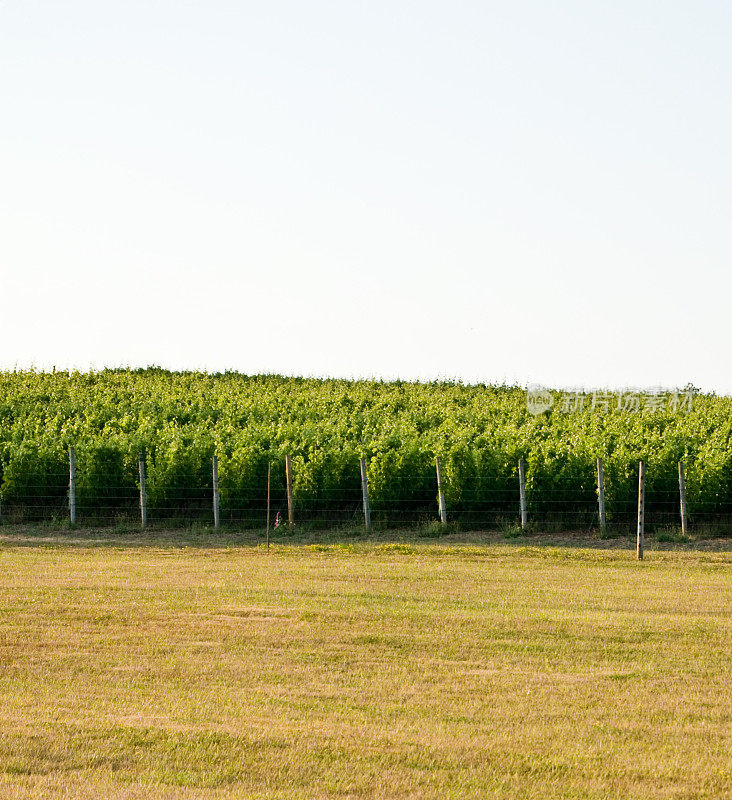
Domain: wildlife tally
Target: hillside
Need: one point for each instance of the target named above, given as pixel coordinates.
(179, 420)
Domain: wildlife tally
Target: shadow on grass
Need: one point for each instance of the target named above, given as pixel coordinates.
(205, 536)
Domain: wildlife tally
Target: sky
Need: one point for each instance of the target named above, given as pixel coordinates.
(522, 192)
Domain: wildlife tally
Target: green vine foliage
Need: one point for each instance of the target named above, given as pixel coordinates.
(179, 420)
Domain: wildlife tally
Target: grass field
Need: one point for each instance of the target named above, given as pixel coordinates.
(361, 670)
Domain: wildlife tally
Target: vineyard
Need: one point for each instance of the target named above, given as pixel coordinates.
(178, 421)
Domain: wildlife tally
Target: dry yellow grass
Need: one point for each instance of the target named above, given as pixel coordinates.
(362, 671)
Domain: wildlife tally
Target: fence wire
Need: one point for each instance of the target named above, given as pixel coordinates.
(472, 503)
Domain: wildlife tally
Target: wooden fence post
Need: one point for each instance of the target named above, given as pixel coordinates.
(143, 490)
(641, 534)
(72, 485)
(290, 503)
(216, 509)
(269, 476)
(522, 493)
(440, 493)
(682, 497)
(601, 494)
(365, 493)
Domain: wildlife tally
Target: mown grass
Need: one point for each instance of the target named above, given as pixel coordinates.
(361, 670)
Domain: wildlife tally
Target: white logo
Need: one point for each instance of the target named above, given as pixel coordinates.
(634, 401)
(538, 400)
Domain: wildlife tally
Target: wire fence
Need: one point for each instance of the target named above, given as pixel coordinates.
(565, 503)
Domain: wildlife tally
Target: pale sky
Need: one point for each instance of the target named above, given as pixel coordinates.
(493, 191)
